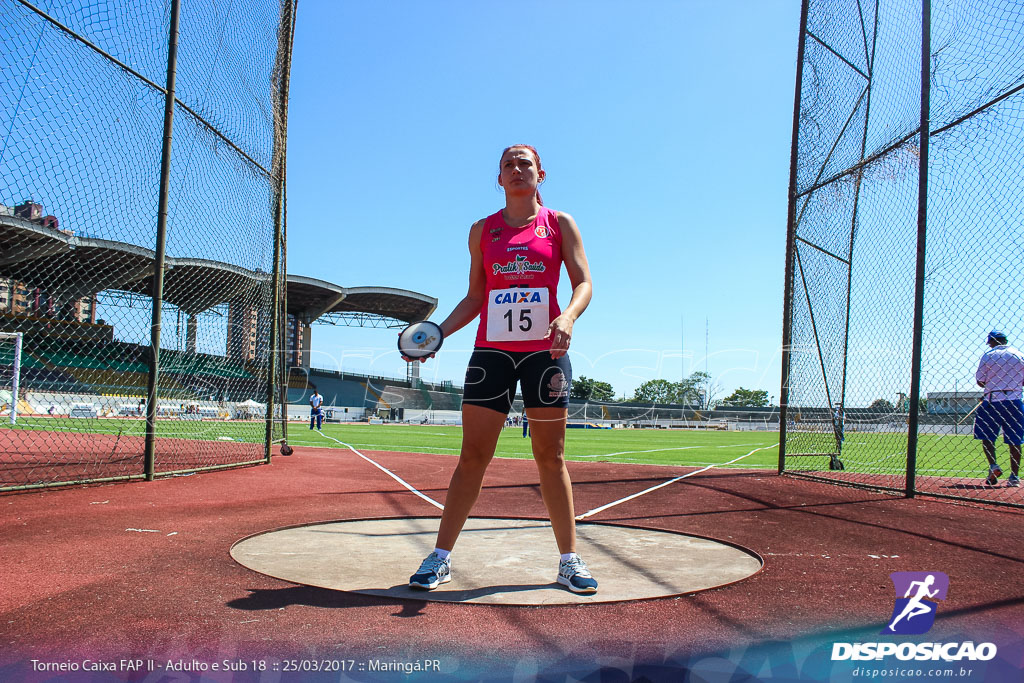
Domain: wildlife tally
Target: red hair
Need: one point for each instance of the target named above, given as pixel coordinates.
(536, 156)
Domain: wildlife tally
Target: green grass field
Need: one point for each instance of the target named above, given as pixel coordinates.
(648, 446)
(868, 453)
(651, 446)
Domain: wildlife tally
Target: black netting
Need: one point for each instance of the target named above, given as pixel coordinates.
(853, 285)
(81, 134)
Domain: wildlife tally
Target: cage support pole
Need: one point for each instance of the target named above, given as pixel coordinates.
(913, 421)
(161, 243)
(787, 304)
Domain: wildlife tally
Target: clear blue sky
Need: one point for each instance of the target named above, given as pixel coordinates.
(665, 131)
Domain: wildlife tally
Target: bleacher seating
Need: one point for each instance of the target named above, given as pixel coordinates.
(27, 359)
(45, 379)
(419, 399)
(66, 359)
(38, 375)
(336, 389)
(200, 364)
(120, 368)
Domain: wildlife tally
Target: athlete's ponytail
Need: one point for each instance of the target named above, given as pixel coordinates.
(535, 156)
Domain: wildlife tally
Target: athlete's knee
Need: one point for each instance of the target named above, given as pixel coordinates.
(474, 457)
(549, 459)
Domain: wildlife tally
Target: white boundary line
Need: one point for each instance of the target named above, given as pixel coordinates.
(670, 481)
(386, 471)
(653, 450)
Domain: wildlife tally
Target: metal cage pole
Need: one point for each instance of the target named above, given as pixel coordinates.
(161, 243)
(281, 131)
(913, 421)
(787, 304)
(856, 208)
(285, 371)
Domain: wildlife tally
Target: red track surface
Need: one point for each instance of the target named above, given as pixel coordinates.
(35, 456)
(79, 578)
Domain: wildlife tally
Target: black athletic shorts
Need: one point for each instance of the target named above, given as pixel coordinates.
(492, 376)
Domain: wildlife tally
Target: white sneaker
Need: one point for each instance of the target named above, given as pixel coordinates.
(432, 572)
(574, 575)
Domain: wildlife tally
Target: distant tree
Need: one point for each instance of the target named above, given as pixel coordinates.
(880, 405)
(656, 391)
(746, 397)
(694, 389)
(705, 390)
(591, 389)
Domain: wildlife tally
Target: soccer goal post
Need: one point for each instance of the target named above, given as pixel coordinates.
(10, 370)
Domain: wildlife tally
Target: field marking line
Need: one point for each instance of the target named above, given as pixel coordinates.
(387, 472)
(409, 430)
(390, 447)
(653, 450)
(670, 481)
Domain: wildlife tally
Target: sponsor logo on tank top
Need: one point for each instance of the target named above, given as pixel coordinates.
(541, 231)
(507, 297)
(520, 266)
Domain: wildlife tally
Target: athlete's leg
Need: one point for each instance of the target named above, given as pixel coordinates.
(986, 430)
(989, 449)
(481, 428)
(1013, 431)
(547, 433)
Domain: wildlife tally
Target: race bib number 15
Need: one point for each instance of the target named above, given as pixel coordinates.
(517, 314)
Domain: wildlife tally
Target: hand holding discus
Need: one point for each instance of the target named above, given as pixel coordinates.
(420, 341)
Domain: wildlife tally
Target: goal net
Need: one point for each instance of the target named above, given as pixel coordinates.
(10, 374)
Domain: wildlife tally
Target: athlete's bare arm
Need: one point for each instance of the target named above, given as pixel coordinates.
(575, 259)
(468, 309)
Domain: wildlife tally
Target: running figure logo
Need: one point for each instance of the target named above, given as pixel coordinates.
(914, 613)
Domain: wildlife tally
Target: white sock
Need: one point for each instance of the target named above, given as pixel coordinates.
(565, 557)
(443, 554)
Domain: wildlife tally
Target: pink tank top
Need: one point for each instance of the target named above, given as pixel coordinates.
(522, 266)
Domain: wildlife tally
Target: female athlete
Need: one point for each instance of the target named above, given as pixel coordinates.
(516, 257)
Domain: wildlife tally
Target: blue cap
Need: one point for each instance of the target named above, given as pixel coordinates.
(997, 335)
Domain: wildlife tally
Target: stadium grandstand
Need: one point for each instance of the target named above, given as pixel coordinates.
(71, 358)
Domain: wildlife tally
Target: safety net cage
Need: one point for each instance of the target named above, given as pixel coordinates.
(142, 149)
(904, 246)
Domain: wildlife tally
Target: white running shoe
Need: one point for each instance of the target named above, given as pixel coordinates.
(432, 573)
(574, 575)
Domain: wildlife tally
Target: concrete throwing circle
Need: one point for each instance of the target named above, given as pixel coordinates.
(496, 561)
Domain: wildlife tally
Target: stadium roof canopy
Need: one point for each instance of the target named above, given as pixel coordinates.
(310, 299)
(69, 267)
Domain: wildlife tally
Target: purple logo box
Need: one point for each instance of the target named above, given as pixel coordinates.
(901, 582)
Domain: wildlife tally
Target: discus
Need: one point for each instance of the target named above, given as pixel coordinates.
(420, 339)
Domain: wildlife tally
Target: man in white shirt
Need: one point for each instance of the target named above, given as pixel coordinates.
(1001, 375)
(315, 413)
